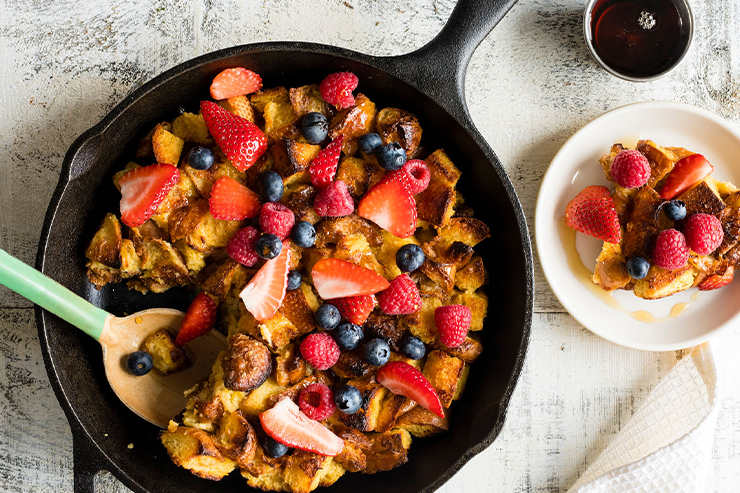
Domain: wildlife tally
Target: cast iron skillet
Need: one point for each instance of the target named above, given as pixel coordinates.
(429, 83)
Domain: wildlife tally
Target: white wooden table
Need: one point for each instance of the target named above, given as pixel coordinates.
(531, 84)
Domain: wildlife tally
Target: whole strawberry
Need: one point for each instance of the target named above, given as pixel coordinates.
(241, 140)
(670, 251)
(355, 309)
(401, 298)
(703, 233)
(320, 350)
(323, 168)
(277, 219)
(453, 322)
(592, 212)
(334, 200)
(630, 169)
(336, 89)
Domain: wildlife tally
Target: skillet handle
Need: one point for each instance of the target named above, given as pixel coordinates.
(438, 68)
(86, 461)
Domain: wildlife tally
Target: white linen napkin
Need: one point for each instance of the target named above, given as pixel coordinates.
(667, 445)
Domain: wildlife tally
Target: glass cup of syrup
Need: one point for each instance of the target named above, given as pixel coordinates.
(638, 40)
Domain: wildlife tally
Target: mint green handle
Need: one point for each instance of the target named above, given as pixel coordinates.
(49, 294)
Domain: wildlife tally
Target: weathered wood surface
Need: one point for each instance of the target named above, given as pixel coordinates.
(531, 84)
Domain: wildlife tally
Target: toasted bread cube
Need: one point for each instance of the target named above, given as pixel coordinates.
(199, 228)
(162, 266)
(236, 438)
(443, 372)
(396, 125)
(661, 160)
(385, 253)
(611, 269)
(194, 259)
(468, 351)
(130, 261)
(277, 111)
(332, 472)
(305, 470)
(366, 418)
(181, 195)
(467, 230)
(240, 106)
(607, 159)
(100, 274)
(294, 160)
(389, 450)
(203, 180)
(297, 307)
(422, 423)
(701, 198)
(386, 327)
(436, 204)
(277, 331)
(478, 304)
(105, 247)
(472, 276)
(290, 367)
(353, 122)
(660, 283)
(167, 146)
(441, 273)
(307, 99)
(266, 473)
(352, 457)
(421, 324)
(313, 255)
(167, 357)
(355, 248)
(192, 127)
(351, 364)
(256, 401)
(331, 230)
(194, 450)
(299, 199)
(461, 383)
(359, 175)
(218, 277)
(393, 406)
(230, 400)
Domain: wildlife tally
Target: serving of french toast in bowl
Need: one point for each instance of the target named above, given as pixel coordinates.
(636, 226)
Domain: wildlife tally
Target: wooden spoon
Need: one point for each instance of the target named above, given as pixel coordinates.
(154, 397)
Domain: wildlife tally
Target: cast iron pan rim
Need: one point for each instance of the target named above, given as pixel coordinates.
(349, 55)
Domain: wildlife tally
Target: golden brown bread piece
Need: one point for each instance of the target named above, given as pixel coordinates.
(660, 283)
(290, 367)
(196, 451)
(247, 363)
(702, 199)
(611, 269)
(352, 457)
(436, 204)
(167, 146)
(422, 423)
(388, 450)
(351, 364)
(397, 125)
(358, 174)
(218, 277)
(372, 393)
(642, 225)
(607, 159)
(236, 439)
(660, 158)
(443, 371)
(166, 355)
(468, 351)
(307, 99)
(105, 247)
(353, 122)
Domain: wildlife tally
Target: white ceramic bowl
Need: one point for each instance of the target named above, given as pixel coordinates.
(621, 317)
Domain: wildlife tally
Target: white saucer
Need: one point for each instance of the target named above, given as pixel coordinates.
(575, 167)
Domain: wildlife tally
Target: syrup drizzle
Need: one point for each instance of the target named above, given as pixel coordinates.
(583, 274)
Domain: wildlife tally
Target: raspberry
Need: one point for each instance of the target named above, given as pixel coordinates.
(337, 89)
(276, 219)
(320, 350)
(241, 246)
(334, 200)
(419, 173)
(670, 251)
(703, 233)
(452, 323)
(316, 401)
(401, 298)
(630, 169)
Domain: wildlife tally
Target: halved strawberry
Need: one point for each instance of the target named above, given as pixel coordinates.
(234, 82)
(403, 379)
(232, 201)
(266, 290)
(592, 212)
(288, 425)
(334, 278)
(143, 190)
(323, 168)
(685, 174)
(355, 309)
(241, 140)
(199, 319)
(391, 206)
(717, 281)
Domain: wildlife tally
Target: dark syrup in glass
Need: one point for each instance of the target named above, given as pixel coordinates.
(639, 38)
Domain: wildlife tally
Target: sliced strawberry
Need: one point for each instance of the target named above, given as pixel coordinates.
(592, 212)
(143, 190)
(266, 290)
(234, 82)
(241, 140)
(323, 168)
(391, 206)
(685, 174)
(334, 278)
(718, 280)
(199, 319)
(355, 309)
(288, 425)
(403, 379)
(232, 201)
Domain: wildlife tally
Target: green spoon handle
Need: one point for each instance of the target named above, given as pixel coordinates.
(49, 294)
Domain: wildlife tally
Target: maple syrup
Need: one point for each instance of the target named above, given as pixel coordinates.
(640, 38)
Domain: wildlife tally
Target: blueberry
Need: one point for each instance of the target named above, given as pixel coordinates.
(327, 316)
(348, 399)
(413, 347)
(201, 158)
(675, 210)
(314, 127)
(268, 246)
(369, 143)
(391, 156)
(303, 234)
(139, 363)
(377, 352)
(637, 267)
(272, 186)
(348, 336)
(294, 280)
(409, 257)
(273, 448)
